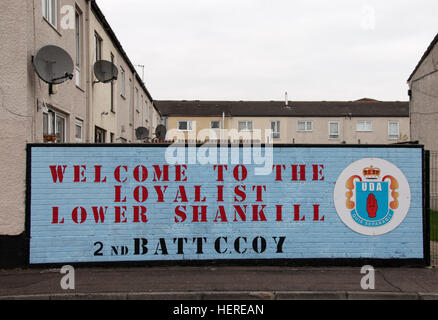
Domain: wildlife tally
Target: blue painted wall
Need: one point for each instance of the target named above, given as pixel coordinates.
(331, 238)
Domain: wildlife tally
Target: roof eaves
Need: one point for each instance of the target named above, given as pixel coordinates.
(428, 51)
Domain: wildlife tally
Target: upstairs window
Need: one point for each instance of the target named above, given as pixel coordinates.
(112, 107)
(54, 127)
(364, 126)
(245, 126)
(185, 125)
(275, 127)
(394, 130)
(215, 124)
(79, 124)
(50, 11)
(122, 82)
(98, 47)
(137, 100)
(305, 126)
(333, 130)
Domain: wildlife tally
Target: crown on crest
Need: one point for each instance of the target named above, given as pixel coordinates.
(371, 172)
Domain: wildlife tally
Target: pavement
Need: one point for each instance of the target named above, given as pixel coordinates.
(220, 283)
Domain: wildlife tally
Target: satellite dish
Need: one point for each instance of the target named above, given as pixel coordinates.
(142, 133)
(160, 132)
(53, 65)
(105, 71)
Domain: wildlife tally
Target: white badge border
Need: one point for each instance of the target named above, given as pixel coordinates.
(387, 168)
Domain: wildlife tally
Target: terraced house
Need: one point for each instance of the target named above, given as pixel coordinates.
(80, 110)
(365, 121)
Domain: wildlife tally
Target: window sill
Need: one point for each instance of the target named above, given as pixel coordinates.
(52, 26)
(79, 88)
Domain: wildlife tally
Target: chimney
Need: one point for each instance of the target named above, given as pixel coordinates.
(287, 101)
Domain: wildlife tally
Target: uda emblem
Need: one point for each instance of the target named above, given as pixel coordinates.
(372, 196)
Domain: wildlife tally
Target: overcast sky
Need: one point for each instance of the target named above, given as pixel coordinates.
(258, 49)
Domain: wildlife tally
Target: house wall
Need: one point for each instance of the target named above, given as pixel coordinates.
(320, 134)
(24, 97)
(102, 115)
(424, 102)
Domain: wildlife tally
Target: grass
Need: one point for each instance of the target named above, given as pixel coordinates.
(434, 225)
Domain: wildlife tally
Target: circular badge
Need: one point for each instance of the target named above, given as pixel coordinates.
(372, 196)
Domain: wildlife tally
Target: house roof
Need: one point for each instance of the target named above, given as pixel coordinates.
(360, 108)
(428, 51)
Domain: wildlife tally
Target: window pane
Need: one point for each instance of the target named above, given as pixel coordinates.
(98, 44)
(45, 124)
(122, 82)
(45, 8)
(78, 130)
(242, 125)
(275, 127)
(215, 125)
(305, 125)
(393, 130)
(53, 11)
(112, 87)
(334, 127)
(78, 39)
(78, 134)
(183, 125)
(60, 129)
(364, 126)
(334, 130)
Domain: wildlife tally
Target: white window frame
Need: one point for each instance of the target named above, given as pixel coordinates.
(246, 122)
(52, 117)
(390, 137)
(122, 82)
(306, 126)
(64, 118)
(50, 12)
(331, 136)
(189, 126)
(276, 134)
(98, 44)
(370, 129)
(215, 121)
(137, 99)
(79, 123)
(78, 40)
